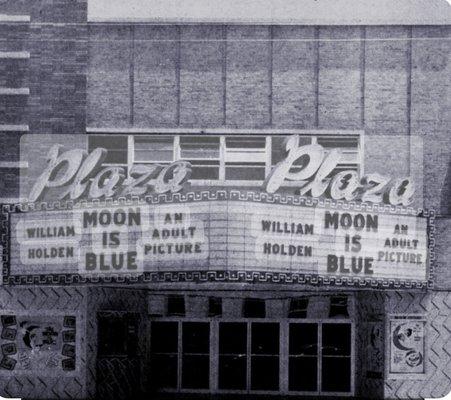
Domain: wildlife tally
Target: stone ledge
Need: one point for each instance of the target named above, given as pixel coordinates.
(14, 128)
(15, 55)
(14, 18)
(14, 91)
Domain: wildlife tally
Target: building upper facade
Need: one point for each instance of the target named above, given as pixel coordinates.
(224, 96)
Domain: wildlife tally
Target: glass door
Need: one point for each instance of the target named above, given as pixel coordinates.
(320, 358)
(336, 358)
(303, 357)
(288, 356)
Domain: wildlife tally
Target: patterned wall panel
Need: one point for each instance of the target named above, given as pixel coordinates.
(46, 301)
(437, 380)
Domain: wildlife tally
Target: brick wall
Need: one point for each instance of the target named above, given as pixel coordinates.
(53, 70)
(394, 83)
(151, 76)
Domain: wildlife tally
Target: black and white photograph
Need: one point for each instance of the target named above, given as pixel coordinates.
(225, 199)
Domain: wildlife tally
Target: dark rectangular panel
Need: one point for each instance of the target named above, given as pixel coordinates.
(164, 337)
(303, 339)
(196, 372)
(164, 371)
(336, 374)
(196, 337)
(303, 374)
(232, 338)
(336, 339)
(265, 338)
(264, 373)
(232, 372)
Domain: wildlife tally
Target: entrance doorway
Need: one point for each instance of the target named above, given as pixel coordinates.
(118, 357)
(290, 356)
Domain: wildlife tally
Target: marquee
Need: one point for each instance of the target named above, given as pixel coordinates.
(217, 236)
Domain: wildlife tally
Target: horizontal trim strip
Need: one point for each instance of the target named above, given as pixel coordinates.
(223, 131)
(14, 91)
(264, 22)
(14, 18)
(16, 55)
(13, 164)
(14, 128)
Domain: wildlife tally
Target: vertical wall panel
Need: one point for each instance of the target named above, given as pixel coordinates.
(294, 78)
(431, 86)
(201, 86)
(155, 77)
(248, 83)
(387, 74)
(108, 100)
(431, 111)
(339, 78)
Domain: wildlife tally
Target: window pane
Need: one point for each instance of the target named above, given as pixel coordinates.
(164, 371)
(164, 337)
(338, 141)
(215, 306)
(246, 142)
(303, 339)
(154, 148)
(338, 307)
(254, 308)
(264, 373)
(195, 372)
(249, 172)
(348, 146)
(232, 372)
(207, 169)
(298, 308)
(199, 147)
(239, 150)
(265, 338)
(232, 338)
(116, 145)
(336, 374)
(337, 339)
(176, 306)
(196, 337)
(303, 374)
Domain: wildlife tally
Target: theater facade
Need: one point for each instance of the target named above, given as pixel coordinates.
(219, 208)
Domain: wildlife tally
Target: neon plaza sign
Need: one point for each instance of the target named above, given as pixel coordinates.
(81, 175)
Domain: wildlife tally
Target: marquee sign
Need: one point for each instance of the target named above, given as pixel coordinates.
(76, 174)
(223, 235)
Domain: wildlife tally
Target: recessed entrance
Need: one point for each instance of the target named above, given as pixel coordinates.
(287, 356)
